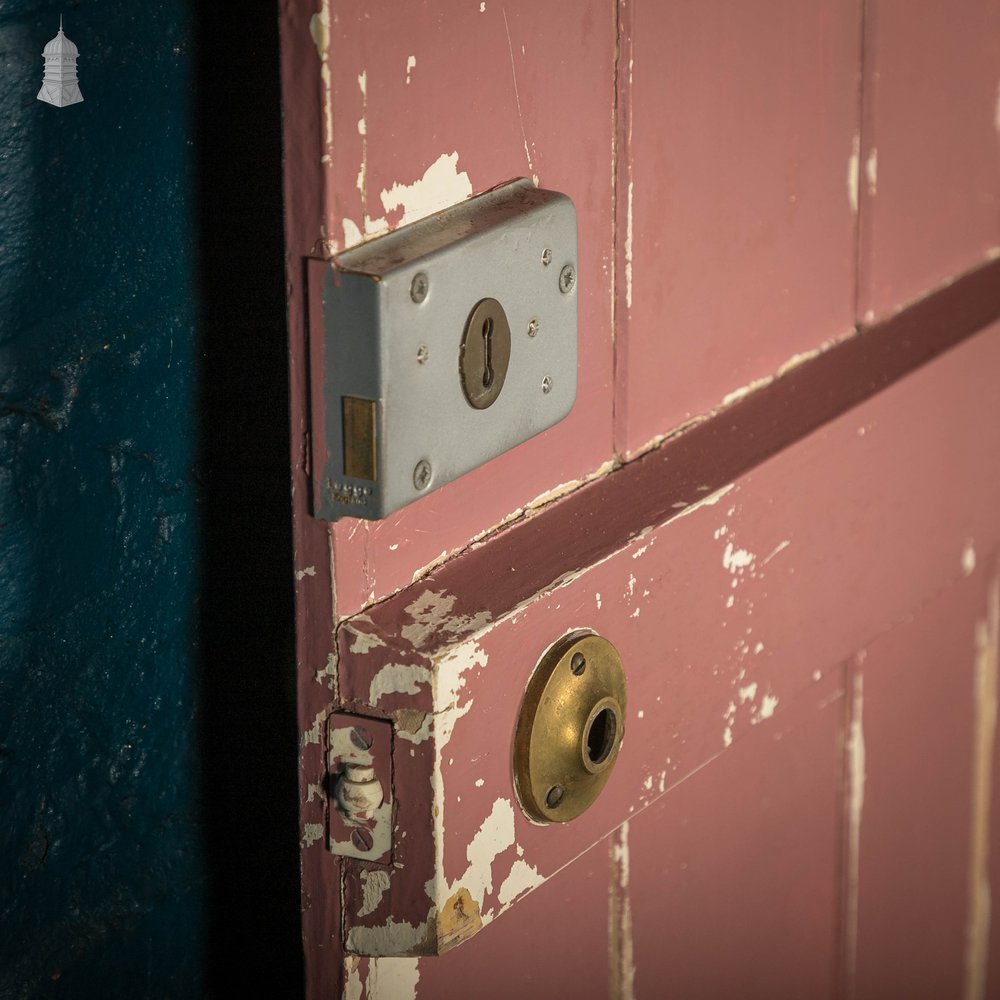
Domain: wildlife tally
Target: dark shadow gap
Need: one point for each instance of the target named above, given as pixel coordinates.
(246, 627)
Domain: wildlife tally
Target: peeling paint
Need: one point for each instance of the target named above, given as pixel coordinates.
(395, 937)
(737, 394)
(628, 248)
(871, 171)
(621, 958)
(401, 678)
(748, 693)
(968, 558)
(354, 988)
(374, 885)
(440, 186)
(430, 616)
(710, 501)
(311, 832)
(736, 560)
(411, 63)
(412, 725)
(302, 573)
(393, 979)
(855, 806)
(776, 550)
(522, 878)
(977, 933)
(854, 173)
(768, 704)
(363, 642)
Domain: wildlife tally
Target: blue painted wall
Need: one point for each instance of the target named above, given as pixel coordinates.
(123, 858)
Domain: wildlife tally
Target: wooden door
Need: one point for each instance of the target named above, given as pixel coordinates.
(777, 494)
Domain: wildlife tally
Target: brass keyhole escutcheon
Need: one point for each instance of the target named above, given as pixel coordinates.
(484, 357)
(570, 728)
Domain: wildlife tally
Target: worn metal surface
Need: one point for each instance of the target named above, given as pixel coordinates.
(570, 728)
(412, 358)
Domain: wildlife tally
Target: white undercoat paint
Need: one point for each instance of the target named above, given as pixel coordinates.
(855, 806)
(392, 978)
(853, 173)
(977, 931)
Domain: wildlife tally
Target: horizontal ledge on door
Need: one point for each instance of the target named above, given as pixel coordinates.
(537, 552)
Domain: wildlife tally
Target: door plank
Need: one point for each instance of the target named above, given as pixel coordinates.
(929, 166)
(915, 711)
(735, 226)
(735, 874)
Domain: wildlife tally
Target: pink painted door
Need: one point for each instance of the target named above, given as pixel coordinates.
(777, 495)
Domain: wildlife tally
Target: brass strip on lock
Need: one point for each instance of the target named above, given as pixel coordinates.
(570, 728)
(360, 459)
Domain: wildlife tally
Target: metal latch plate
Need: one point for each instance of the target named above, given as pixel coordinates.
(393, 413)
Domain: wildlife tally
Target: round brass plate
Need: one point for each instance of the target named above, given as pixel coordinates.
(570, 729)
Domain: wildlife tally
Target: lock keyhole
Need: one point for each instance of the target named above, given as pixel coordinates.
(484, 354)
(487, 352)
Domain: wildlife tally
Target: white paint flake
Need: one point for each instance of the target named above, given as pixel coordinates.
(431, 617)
(628, 248)
(353, 987)
(968, 558)
(401, 678)
(411, 62)
(778, 548)
(854, 173)
(855, 805)
(736, 560)
(374, 884)
(767, 706)
(522, 878)
(301, 574)
(748, 693)
(441, 185)
(395, 937)
(977, 931)
(482, 8)
(871, 170)
(622, 957)
(393, 978)
(598, 596)
(710, 501)
(311, 832)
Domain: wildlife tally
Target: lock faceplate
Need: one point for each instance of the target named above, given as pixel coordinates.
(408, 392)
